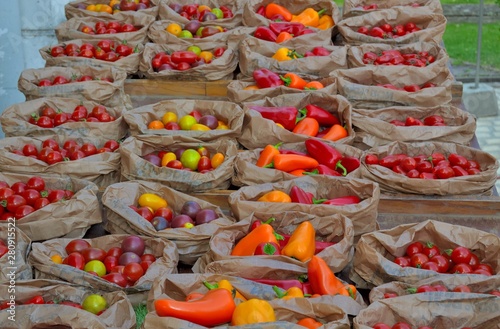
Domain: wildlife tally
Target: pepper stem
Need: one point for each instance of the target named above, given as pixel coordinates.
(280, 293)
(340, 166)
(210, 286)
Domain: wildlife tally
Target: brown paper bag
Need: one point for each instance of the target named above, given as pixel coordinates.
(165, 12)
(256, 53)
(72, 10)
(135, 167)
(191, 243)
(103, 92)
(355, 53)
(328, 309)
(248, 173)
(220, 68)
(363, 215)
(432, 25)
(392, 182)
(165, 252)
(478, 284)
(16, 259)
(359, 86)
(251, 18)
(375, 252)
(15, 119)
(355, 7)
(257, 132)
(439, 311)
(101, 169)
(119, 313)
(334, 228)
(230, 113)
(70, 29)
(373, 127)
(69, 219)
(129, 64)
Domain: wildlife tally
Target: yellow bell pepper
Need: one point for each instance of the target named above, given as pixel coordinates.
(253, 311)
(292, 292)
(302, 242)
(152, 201)
(325, 22)
(308, 17)
(282, 54)
(225, 284)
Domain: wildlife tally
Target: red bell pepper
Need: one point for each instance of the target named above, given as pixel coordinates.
(298, 195)
(350, 163)
(286, 151)
(325, 154)
(261, 11)
(286, 284)
(323, 170)
(344, 200)
(184, 56)
(292, 28)
(284, 115)
(265, 33)
(321, 115)
(265, 78)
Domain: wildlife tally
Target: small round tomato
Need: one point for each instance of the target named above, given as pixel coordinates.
(430, 266)
(56, 195)
(461, 254)
(23, 211)
(60, 118)
(133, 272)
(40, 203)
(71, 48)
(56, 51)
(54, 157)
(431, 250)
(51, 143)
(402, 261)
(418, 259)
(414, 248)
(13, 202)
(485, 267)
(30, 149)
(401, 325)
(76, 245)
(76, 260)
(442, 262)
(45, 122)
(425, 288)
(112, 145)
(461, 268)
(89, 149)
(148, 257)
(439, 287)
(462, 288)
(31, 195)
(18, 187)
(36, 183)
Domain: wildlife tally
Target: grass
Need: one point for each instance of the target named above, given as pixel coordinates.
(446, 2)
(140, 314)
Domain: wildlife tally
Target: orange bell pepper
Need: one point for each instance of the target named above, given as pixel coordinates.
(292, 292)
(313, 85)
(291, 162)
(309, 323)
(275, 196)
(308, 17)
(225, 284)
(335, 133)
(302, 242)
(262, 233)
(292, 80)
(323, 281)
(267, 154)
(325, 22)
(307, 126)
(273, 9)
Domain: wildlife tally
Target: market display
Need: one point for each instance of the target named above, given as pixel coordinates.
(259, 207)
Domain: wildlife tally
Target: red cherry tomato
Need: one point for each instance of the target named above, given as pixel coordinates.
(414, 248)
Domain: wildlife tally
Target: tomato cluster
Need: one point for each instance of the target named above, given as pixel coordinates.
(106, 50)
(409, 88)
(51, 152)
(22, 198)
(47, 117)
(434, 166)
(401, 325)
(62, 80)
(192, 121)
(428, 256)
(122, 265)
(388, 31)
(189, 159)
(3, 248)
(431, 120)
(115, 6)
(39, 300)
(374, 6)
(437, 288)
(395, 57)
(201, 13)
(184, 60)
(112, 27)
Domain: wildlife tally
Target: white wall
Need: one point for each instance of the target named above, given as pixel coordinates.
(25, 27)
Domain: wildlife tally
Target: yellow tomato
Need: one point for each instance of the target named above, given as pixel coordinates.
(169, 117)
(174, 28)
(57, 259)
(207, 56)
(167, 157)
(199, 127)
(98, 7)
(106, 9)
(156, 124)
(217, 160)
(204, 7)
(91, 7)
(222, 125)
(114, 2)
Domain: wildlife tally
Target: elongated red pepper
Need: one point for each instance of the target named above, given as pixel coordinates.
(321, 115)
(325, 154)
(265, 33)
(298, 195)
(184, 56)
(38, 299)
(292, 28)
(284, 115)
(265, 78)
(321, 169)
(350, 164)
(286, 284)
(344, 200)
(319, 246)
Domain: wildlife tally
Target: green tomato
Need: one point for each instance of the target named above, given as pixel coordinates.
(218, 13)
(185, 34)
(94, 303)
(187, 121)
(195, 49)
(95, 266)
(190, 159)
(198, 32)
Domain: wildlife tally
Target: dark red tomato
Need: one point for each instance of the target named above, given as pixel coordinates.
(93, 253)
(54, 157)
(399, 30)
(89, 149)
(51, 143)
(56, 195)
(56, 51)
(45, 122)
(7, 216)
(439, 287)
(437, 157)
(431, 250)
(485, 267)
(124, 50)
(75, 259)
(174, 164)
(427, 175)
(30, 149)
(112, 145)
(13, 202)
(48, 112)
(410, 121)
(401, 325)
(18, 187)
(148, 257)
(474, 261)
(99, 53)
(76, 245)
(389, 161)
(442, 262)
(462, 288)
(461, 255)
(165, 212)
(390, 295)
(414, 248)
(116, 278)
(459, 171)
(59, 80)
(146, 213)
(69, 144)
(461, 268)
(219, 51)
(103, 150)
(444, 172)
(402, 261)
(145, 264)
(23, 211)
(418, 259)
(84, 78)
(133, 272)
(204, 163)
(425, 288)
(430, 266)
(31, 195)
(40, 203)
(79, 113)
(408, 164)
(371, 159)
(376, 32)
(115, 252)
(432, 120)
(473, 164)
(110, 262)
(98, 109)
(71, 48)
(86, 53)
(126, 27)
(458, 160)
(60, 118)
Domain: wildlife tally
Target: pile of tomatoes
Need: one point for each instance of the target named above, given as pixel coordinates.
(401, 325)
(436, 288)
(434, 166)
(47, 117)
(408, 88)
(430, 120)
(51, 152)
(395, 57)
(106, 50)
(388, 31)
(22, 198)
(428, 256)
(3, 248)
(62, 80)
(186, 59)
(123, 265)
(112, 27)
